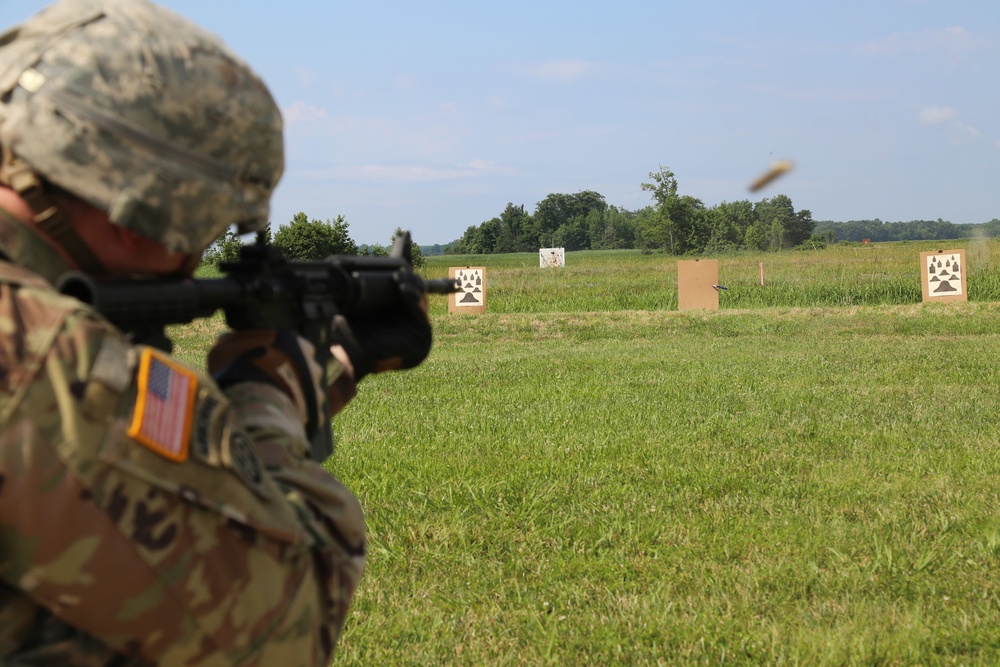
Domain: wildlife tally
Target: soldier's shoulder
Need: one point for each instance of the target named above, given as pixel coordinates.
(21, 276)
(32, 293)
(35, 320)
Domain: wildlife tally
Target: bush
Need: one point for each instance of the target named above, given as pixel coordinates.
(818, 241)
(225, 249)
(315, 239)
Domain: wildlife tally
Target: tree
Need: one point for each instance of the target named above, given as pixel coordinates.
(481, 240)
(225, 249)
(610, 229)
(804, 227)
(515, 231)
(268, 236)
(572, 235)
(558, 210)
(314, 239)
(596, 224)
(756, 237)
(693, 223)
(785, 227)
(375, 250)
(774, 216)
(550, 214)
(730, 224)
(650, 231)
(661, 232)
(463, 245)
(680, 224)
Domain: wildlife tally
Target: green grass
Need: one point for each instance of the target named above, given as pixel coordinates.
(775, 487)
(579, 482)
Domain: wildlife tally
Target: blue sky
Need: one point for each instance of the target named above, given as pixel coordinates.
(433, 115)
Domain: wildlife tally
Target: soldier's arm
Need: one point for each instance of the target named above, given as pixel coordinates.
(164, 537)
(268, 392)
(327, 510)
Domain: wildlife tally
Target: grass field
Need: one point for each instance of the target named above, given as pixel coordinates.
(877, 274)
(583, 475)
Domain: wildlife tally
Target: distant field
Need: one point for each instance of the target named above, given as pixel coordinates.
(585, 476)
(881, 273)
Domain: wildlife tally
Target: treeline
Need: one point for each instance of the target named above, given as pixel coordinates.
(676, 224)
(915, 230)
(682, 225)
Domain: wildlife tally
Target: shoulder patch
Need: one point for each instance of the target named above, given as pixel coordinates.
(207, 428)
(164, 405)
(239, 456)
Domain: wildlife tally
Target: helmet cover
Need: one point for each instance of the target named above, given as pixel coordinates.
(141, 113)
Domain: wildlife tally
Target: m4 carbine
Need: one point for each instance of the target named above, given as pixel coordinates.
(262, 290)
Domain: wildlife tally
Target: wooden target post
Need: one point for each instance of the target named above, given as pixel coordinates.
(942, 276)
(551, 257)
(697, 281)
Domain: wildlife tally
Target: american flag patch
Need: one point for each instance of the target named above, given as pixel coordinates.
(164, 406)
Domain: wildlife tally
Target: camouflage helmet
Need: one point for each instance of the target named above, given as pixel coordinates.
(144, 115)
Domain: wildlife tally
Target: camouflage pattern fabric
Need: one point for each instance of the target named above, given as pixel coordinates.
(237, 552)
(143, 114)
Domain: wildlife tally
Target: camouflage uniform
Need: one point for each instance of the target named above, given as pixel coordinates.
(242, 553)
(213, 540)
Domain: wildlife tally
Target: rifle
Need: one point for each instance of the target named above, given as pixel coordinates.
(262, 290)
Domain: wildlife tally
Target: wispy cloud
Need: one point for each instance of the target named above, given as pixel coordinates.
(384, 173)
(558, 71)
(949, 116)
(935, 115)
(952, 38)
(302, 112)
(968, 131)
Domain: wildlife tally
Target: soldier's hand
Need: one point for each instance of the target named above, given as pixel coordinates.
(278, 357)
(388, 340)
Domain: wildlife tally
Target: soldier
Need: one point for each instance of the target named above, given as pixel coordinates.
(150, 514)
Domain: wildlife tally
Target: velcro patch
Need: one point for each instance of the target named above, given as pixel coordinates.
(164, 406)
(113, 364)
(207, 430)
(239, 456)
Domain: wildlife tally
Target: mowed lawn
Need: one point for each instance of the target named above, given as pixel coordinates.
(783, 484)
